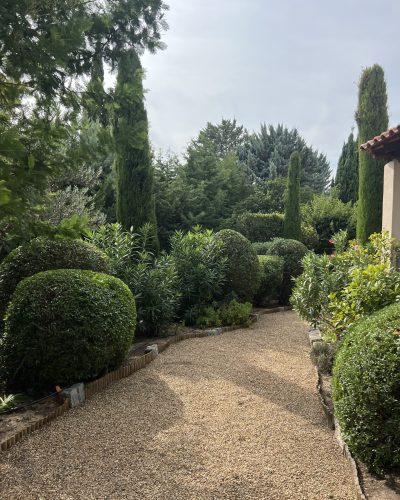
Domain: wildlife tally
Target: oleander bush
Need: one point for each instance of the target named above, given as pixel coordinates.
(201, 265)
(243, 273)
(42, 254)
(366, 389)
(271, 279)
(66, 326)
(292, 253)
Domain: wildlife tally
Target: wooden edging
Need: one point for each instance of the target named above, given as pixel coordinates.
(315, 336)
(124, 371)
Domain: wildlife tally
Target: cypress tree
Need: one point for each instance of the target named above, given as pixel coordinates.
(372, 119)
(292, 223)
(135, 195)
(347, 172)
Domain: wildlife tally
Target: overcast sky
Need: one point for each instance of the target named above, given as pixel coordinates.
(295, 62)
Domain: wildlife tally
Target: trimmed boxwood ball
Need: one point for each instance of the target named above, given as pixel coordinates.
(271, 279)
(366, 389)
(42, 254)
(66, 326)
(243, 273)
(292, 253)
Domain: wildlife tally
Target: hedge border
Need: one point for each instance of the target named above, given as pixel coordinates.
(124, 371)
(314, 335)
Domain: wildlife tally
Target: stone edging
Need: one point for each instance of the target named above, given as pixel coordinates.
(78, 393)
(314, 335)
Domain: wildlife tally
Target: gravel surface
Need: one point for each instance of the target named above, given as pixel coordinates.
(228, 417)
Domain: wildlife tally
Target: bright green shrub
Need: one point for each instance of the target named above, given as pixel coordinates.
(243, 273)
(200, 262)
(154, 282)
(66, 326)
(43, 254)
(260, 227)
(236, 313)
(271, 279)
(292, 253)
(309, 237)
(366, 389)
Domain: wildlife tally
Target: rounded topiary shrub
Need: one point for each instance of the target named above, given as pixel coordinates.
(292, 253)
(366, 389)
(43, 254)
(66, 326)
(243, 273)
(271, 279)
(260, 227)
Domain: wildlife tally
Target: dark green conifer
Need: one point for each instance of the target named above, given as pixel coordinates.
(372, 119)
(292, 223)
(135, 196)
(347, 172)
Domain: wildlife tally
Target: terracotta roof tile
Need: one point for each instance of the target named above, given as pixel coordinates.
(379, 139)
(385, 145)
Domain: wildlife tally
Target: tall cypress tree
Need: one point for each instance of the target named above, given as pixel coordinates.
(292, 223)
(372, 119)
(347, 172)
(135, 196)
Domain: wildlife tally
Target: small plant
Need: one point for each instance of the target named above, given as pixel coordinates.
(208, 317)
(10, 401)
(322, 355)
(236, 313)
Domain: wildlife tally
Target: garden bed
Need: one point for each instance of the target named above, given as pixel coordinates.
(372, 486)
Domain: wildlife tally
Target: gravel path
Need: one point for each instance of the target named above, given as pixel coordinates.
(228, 417)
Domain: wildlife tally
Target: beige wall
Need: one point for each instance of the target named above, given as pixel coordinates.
(391, 199)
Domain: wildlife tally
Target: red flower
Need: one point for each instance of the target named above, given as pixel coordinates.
(331, 242)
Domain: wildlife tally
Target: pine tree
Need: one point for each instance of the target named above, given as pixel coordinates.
(372, 119)
(347, 172)
(292, 223)
(135, 195)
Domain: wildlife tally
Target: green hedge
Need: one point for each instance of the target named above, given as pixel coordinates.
(243, 273)
(260, 227)
(66, 326)
(292, 253)
(366, 389)
(271, 279)
(43, 254)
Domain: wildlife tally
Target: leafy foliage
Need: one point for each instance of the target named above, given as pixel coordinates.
(201, 266)
(271, 279)
(366, 386)
(260, 227)
(292, 253)
(43, 254)
(243, 272)
(236, 313)
(66, 326)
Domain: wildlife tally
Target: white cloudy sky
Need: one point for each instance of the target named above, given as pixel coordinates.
(295, 62)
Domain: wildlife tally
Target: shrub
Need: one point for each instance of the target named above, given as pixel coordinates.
(309, 237)
(43, 254)
(243, 273)
(366, 388)
(201, 266)
(155, 285)
(271, 279)
(154, 282)
(66, 326)
(236, 313)
(322, 355)
(292, 253)
(208, 317)
(261, 248)
(260, 227)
